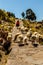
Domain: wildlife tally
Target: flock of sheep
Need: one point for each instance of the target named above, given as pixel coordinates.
(26, 36)
(5, 41)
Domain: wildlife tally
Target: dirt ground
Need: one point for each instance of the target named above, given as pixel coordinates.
(26, 55)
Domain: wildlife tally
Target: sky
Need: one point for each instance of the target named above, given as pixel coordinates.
(19, 6)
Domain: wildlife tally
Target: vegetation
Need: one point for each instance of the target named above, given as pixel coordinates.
(35, 26)
(23, 14)
(7, 16)
(30, 15)
(7, 20)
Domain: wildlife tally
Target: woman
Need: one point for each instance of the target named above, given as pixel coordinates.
(17, 23)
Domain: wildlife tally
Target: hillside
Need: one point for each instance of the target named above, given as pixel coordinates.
(9, 18)
(20, 55)
(35, 26)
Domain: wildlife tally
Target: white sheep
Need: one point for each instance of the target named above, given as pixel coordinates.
(25, 40)
(29, 33)
(26, 29)
(9, 37)
(20, 38)
(15, 37)
(35, 38)
(22, 30)
(36, 35)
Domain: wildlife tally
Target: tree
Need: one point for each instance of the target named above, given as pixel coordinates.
(30, 14)
(23, 14)
(11, 14)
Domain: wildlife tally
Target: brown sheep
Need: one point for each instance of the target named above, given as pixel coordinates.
(6, 47)
(4, 34)
(40, 39)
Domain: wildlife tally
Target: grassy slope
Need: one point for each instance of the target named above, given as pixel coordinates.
(33, 25)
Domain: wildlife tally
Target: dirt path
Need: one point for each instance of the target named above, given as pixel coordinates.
(15, 30)
(26, 55)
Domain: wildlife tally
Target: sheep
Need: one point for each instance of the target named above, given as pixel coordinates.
(19, 28)
(0, 33)
(9, 37)
(40, 39)
(26, 29)
(15, 37)
(35, 44)
(9, 27)
(38, 26)
(22, 29)
(1, 41)
(37, 35)
(34, 36)
(25, 40)
(5, 34)
(35, 39)
(20, 40)
(29, 34)
(6, 46)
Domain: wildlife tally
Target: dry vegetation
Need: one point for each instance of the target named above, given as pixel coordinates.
(35, 26)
